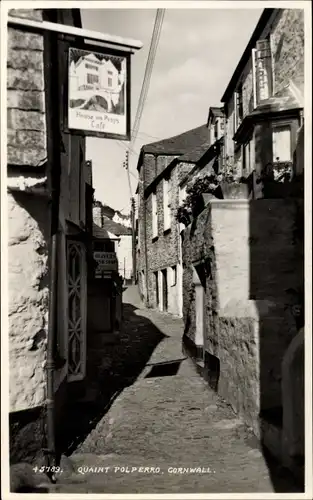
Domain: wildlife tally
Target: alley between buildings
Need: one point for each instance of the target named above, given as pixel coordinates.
(165, 422)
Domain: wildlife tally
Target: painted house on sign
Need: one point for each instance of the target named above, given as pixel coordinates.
(93, 75)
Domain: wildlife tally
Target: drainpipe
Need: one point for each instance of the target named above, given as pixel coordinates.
(53, 145)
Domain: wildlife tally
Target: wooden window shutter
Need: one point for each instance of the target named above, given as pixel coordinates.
(264, 77)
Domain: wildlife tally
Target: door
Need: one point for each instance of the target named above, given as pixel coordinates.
(165, 290)
(200, 289)
(77, 300)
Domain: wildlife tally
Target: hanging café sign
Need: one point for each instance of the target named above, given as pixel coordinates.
(98, 93)
(98, 90)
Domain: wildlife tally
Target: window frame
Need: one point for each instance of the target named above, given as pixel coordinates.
(154, 209)
(174, 275)
(167, 213)
(282, 125)
(92, 76)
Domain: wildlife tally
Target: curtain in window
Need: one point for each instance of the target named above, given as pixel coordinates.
(281, 144)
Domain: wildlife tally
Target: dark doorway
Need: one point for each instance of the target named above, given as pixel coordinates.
(156, 287)
(164, 285)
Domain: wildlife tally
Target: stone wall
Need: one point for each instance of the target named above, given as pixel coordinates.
(163, 251)
(287, 38)
(28, 298)
(253, 261)
(26, 124)
(28, 216)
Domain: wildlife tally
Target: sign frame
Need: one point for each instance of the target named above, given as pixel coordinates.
(104, 51)
(105, 255)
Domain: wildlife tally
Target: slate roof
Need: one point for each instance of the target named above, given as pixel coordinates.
(101, 233)
(115, 228)
(179, 144)
(194, 155)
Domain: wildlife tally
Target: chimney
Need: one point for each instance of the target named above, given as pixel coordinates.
(97, 216)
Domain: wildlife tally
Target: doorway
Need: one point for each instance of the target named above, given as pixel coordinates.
(165, 289)
(156, 288)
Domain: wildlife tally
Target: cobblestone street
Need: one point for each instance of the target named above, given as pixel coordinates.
(167, 419)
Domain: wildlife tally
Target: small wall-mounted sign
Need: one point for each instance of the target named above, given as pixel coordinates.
(106, 261)
(98, 94)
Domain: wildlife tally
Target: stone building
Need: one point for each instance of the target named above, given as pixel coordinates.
(207, 158)
(47, 227)
(120, 235)
(49, 203)
(243, 259)
(263, 101)
(158, 248)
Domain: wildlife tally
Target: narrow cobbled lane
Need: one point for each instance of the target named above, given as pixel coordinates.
(167, 431)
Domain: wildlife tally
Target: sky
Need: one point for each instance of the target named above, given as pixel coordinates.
(197, 54)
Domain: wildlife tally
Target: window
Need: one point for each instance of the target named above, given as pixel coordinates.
(109, 82)
(174, 276)
(248, 157)
(154, 216)
(182, 193)
(90, 66)
(262, 71)
(167, 203)
(238, 106)
(216, 130)
(92, 78)
(282, 143)
(110, 72)
(212, 134)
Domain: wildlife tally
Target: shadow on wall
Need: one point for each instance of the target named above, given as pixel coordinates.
(115, 368)
(252, 251)
(277, 287)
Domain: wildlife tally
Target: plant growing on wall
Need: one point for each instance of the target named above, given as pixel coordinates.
(209, 183)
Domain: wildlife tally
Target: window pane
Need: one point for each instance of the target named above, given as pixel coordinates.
(281, 144)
